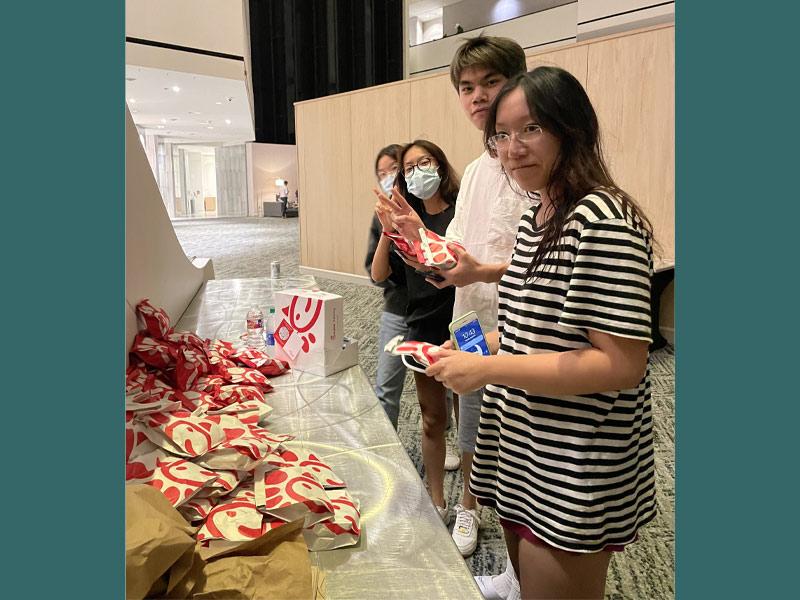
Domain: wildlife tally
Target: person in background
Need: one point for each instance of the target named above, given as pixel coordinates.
(391, 372)
(487, 215)
(564, 451)
(283, 197)
(430, 185)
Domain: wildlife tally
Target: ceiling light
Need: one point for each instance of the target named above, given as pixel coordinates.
(132, 100)
(194, 112)
(227, 121)
(175, 88)
(163, 120)
(209, 127)
(161, 127)
(218, 103)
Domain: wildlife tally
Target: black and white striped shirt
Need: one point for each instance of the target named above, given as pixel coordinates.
(576, 470)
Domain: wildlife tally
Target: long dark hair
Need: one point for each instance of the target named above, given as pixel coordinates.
(558, 102)
(448, 188)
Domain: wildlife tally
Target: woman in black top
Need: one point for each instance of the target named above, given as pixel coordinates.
(430, 185)
(390, 374)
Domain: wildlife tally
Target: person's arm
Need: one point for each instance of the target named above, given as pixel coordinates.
(468, 270)
(372, 247)
(380, 269)
(612, 363)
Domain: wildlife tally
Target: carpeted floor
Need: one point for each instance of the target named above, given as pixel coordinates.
(244, 247)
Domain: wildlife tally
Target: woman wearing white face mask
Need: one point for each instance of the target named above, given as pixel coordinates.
(430, 185)
(391, 372)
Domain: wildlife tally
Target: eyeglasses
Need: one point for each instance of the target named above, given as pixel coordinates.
(387, 173)
(426, 163)
(501, 141)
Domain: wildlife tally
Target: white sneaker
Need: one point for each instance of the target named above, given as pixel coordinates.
(498, 587)
(465, 531)
(452, 459)
(444, 513)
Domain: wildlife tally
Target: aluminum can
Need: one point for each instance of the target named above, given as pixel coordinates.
(274, 269)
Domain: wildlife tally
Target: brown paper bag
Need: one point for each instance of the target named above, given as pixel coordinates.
(156, 536)
(276, 565)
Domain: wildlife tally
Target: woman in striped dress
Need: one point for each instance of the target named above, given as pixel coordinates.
(564, 450)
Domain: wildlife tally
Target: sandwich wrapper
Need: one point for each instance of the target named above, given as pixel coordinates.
(177, 479)
(309, 333)
(184, 434)
(342, 529)
(290, 493)
(431, 249)
(242, 453)
(309, 462)
(230, 394)
(423, 353)
(154, 352)
(234, 518)
(193, 439)
(191, 363)
(156, 320)
(255, 358)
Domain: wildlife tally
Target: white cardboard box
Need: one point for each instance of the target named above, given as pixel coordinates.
(309, 332)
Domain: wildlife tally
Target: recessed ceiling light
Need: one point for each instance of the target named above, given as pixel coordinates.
(161, 127)
(227, 121)
(132, 100)
(163, 120)
(194, 112)
(218, 103)
(209, 127)
(175, 88)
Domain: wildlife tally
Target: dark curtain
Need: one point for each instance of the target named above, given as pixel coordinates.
(303, 49)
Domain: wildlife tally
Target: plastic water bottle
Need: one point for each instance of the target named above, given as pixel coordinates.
(269, 333)
(255, 328)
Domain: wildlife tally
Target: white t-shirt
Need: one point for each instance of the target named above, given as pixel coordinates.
(487, 217)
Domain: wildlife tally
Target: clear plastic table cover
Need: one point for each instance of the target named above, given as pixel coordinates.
(405, 551)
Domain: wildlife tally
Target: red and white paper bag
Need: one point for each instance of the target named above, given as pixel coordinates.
(291, 493)
(342, 529)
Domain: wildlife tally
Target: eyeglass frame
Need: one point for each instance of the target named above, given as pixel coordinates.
(427, 157)
(530, 135)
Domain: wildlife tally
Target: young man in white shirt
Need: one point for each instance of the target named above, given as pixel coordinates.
(487, 216)
(486, 219)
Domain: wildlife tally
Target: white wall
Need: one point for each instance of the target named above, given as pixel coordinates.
(556, 26)
(474, 14)
(577, 21)
(216, 25)
(597, 18)
(155, 265)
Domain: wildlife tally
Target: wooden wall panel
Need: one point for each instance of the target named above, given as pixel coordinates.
(631, 81)
(436, 115)
(572, 59)
(378, 117)
(326, 197)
